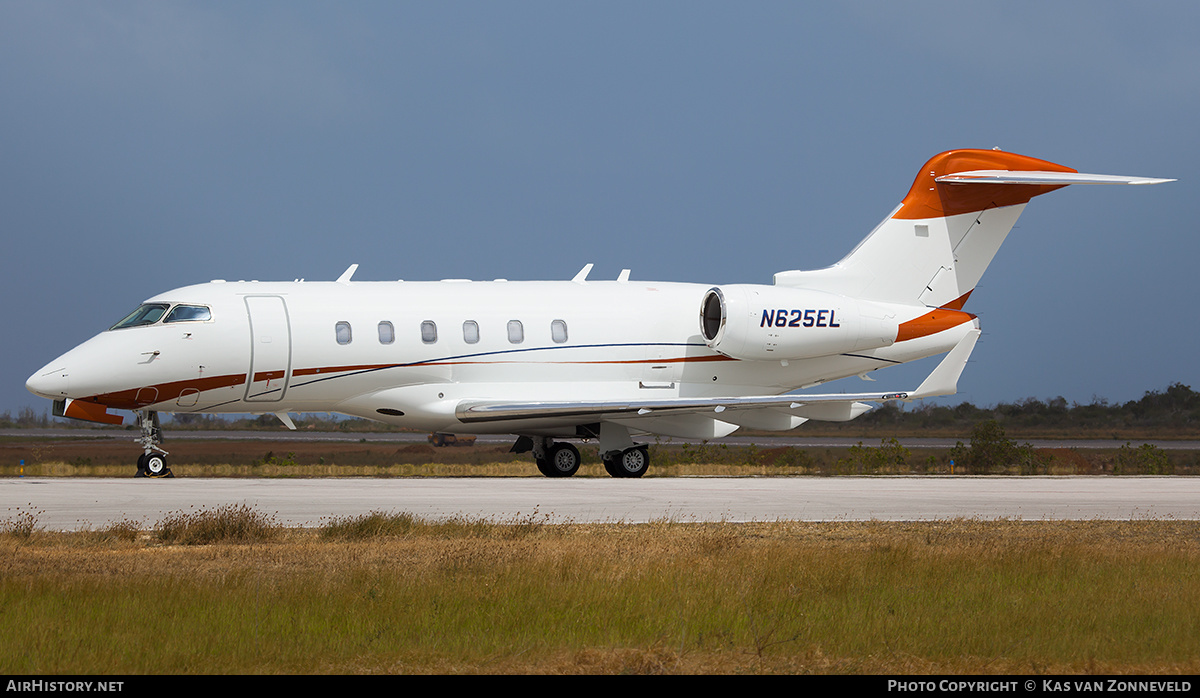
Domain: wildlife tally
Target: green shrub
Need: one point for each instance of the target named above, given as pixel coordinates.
(1146, 459)
(890, 457)
(991, 451)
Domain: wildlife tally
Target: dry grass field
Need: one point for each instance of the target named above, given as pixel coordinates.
(230, 592)
(114, 457)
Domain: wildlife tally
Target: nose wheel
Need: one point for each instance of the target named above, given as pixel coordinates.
(153, 461)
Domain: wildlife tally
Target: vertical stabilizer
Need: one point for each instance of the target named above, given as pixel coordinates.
(933, 249)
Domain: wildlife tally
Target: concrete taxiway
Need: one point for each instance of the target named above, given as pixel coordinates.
(80, 503)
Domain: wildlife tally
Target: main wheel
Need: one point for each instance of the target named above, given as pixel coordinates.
(633, 462)
(156, 465)
(563, 459)
(544, 467)
(611, 466)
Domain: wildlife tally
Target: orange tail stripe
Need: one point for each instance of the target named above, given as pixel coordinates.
(958, 303)
(931, 199)
(932, 323)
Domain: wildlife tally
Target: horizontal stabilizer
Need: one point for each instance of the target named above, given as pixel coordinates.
(1012, 177)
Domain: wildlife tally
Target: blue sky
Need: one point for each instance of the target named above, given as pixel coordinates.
(150, 145)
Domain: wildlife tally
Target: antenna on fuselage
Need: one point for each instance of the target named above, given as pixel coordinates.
(345, 277)
(581, 277)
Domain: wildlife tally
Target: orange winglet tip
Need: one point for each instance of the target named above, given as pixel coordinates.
(929, 198)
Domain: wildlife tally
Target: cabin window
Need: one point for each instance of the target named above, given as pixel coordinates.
(188, 313)
(428, 332)
(470, 332)
(387, 333)
(516, 332)
(342, 331)
(558, 331)
(146, 314)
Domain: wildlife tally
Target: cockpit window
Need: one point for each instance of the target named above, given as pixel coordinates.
(188, 313)
(146, 314)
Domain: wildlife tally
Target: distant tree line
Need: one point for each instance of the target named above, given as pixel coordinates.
(1177, 407)
(26, 419)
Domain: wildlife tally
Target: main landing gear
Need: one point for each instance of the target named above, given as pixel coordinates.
(153, 462)
(555, 459)
(631, 462)
(561, 459)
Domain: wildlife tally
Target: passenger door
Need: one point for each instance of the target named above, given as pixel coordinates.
(270, 349)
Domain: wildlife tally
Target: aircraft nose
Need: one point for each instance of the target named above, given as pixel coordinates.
(49, 382)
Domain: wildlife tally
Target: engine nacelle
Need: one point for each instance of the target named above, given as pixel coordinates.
(761, 323)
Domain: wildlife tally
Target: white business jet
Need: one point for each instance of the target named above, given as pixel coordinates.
(550, 361)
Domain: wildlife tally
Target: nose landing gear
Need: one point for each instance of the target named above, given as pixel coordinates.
(153, 462)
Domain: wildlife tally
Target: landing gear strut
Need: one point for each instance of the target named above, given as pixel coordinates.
(153, 462)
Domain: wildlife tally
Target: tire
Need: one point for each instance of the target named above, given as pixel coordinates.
(156, 465)
(563, 460)
(633, 462)
(141, 465)
(611, 466)
(543, 466)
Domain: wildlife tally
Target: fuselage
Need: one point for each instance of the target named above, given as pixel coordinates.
(409, 352)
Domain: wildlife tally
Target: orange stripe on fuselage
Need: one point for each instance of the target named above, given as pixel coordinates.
(932, 199)
(127, 399)
(931, 323)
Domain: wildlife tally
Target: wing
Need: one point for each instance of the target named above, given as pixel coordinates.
(833, 406)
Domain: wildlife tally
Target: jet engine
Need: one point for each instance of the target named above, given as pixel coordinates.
(762, 323)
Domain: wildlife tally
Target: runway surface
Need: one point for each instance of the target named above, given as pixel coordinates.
(80, 503)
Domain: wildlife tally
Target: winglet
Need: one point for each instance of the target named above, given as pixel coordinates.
(944, 379)
(345, 277)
